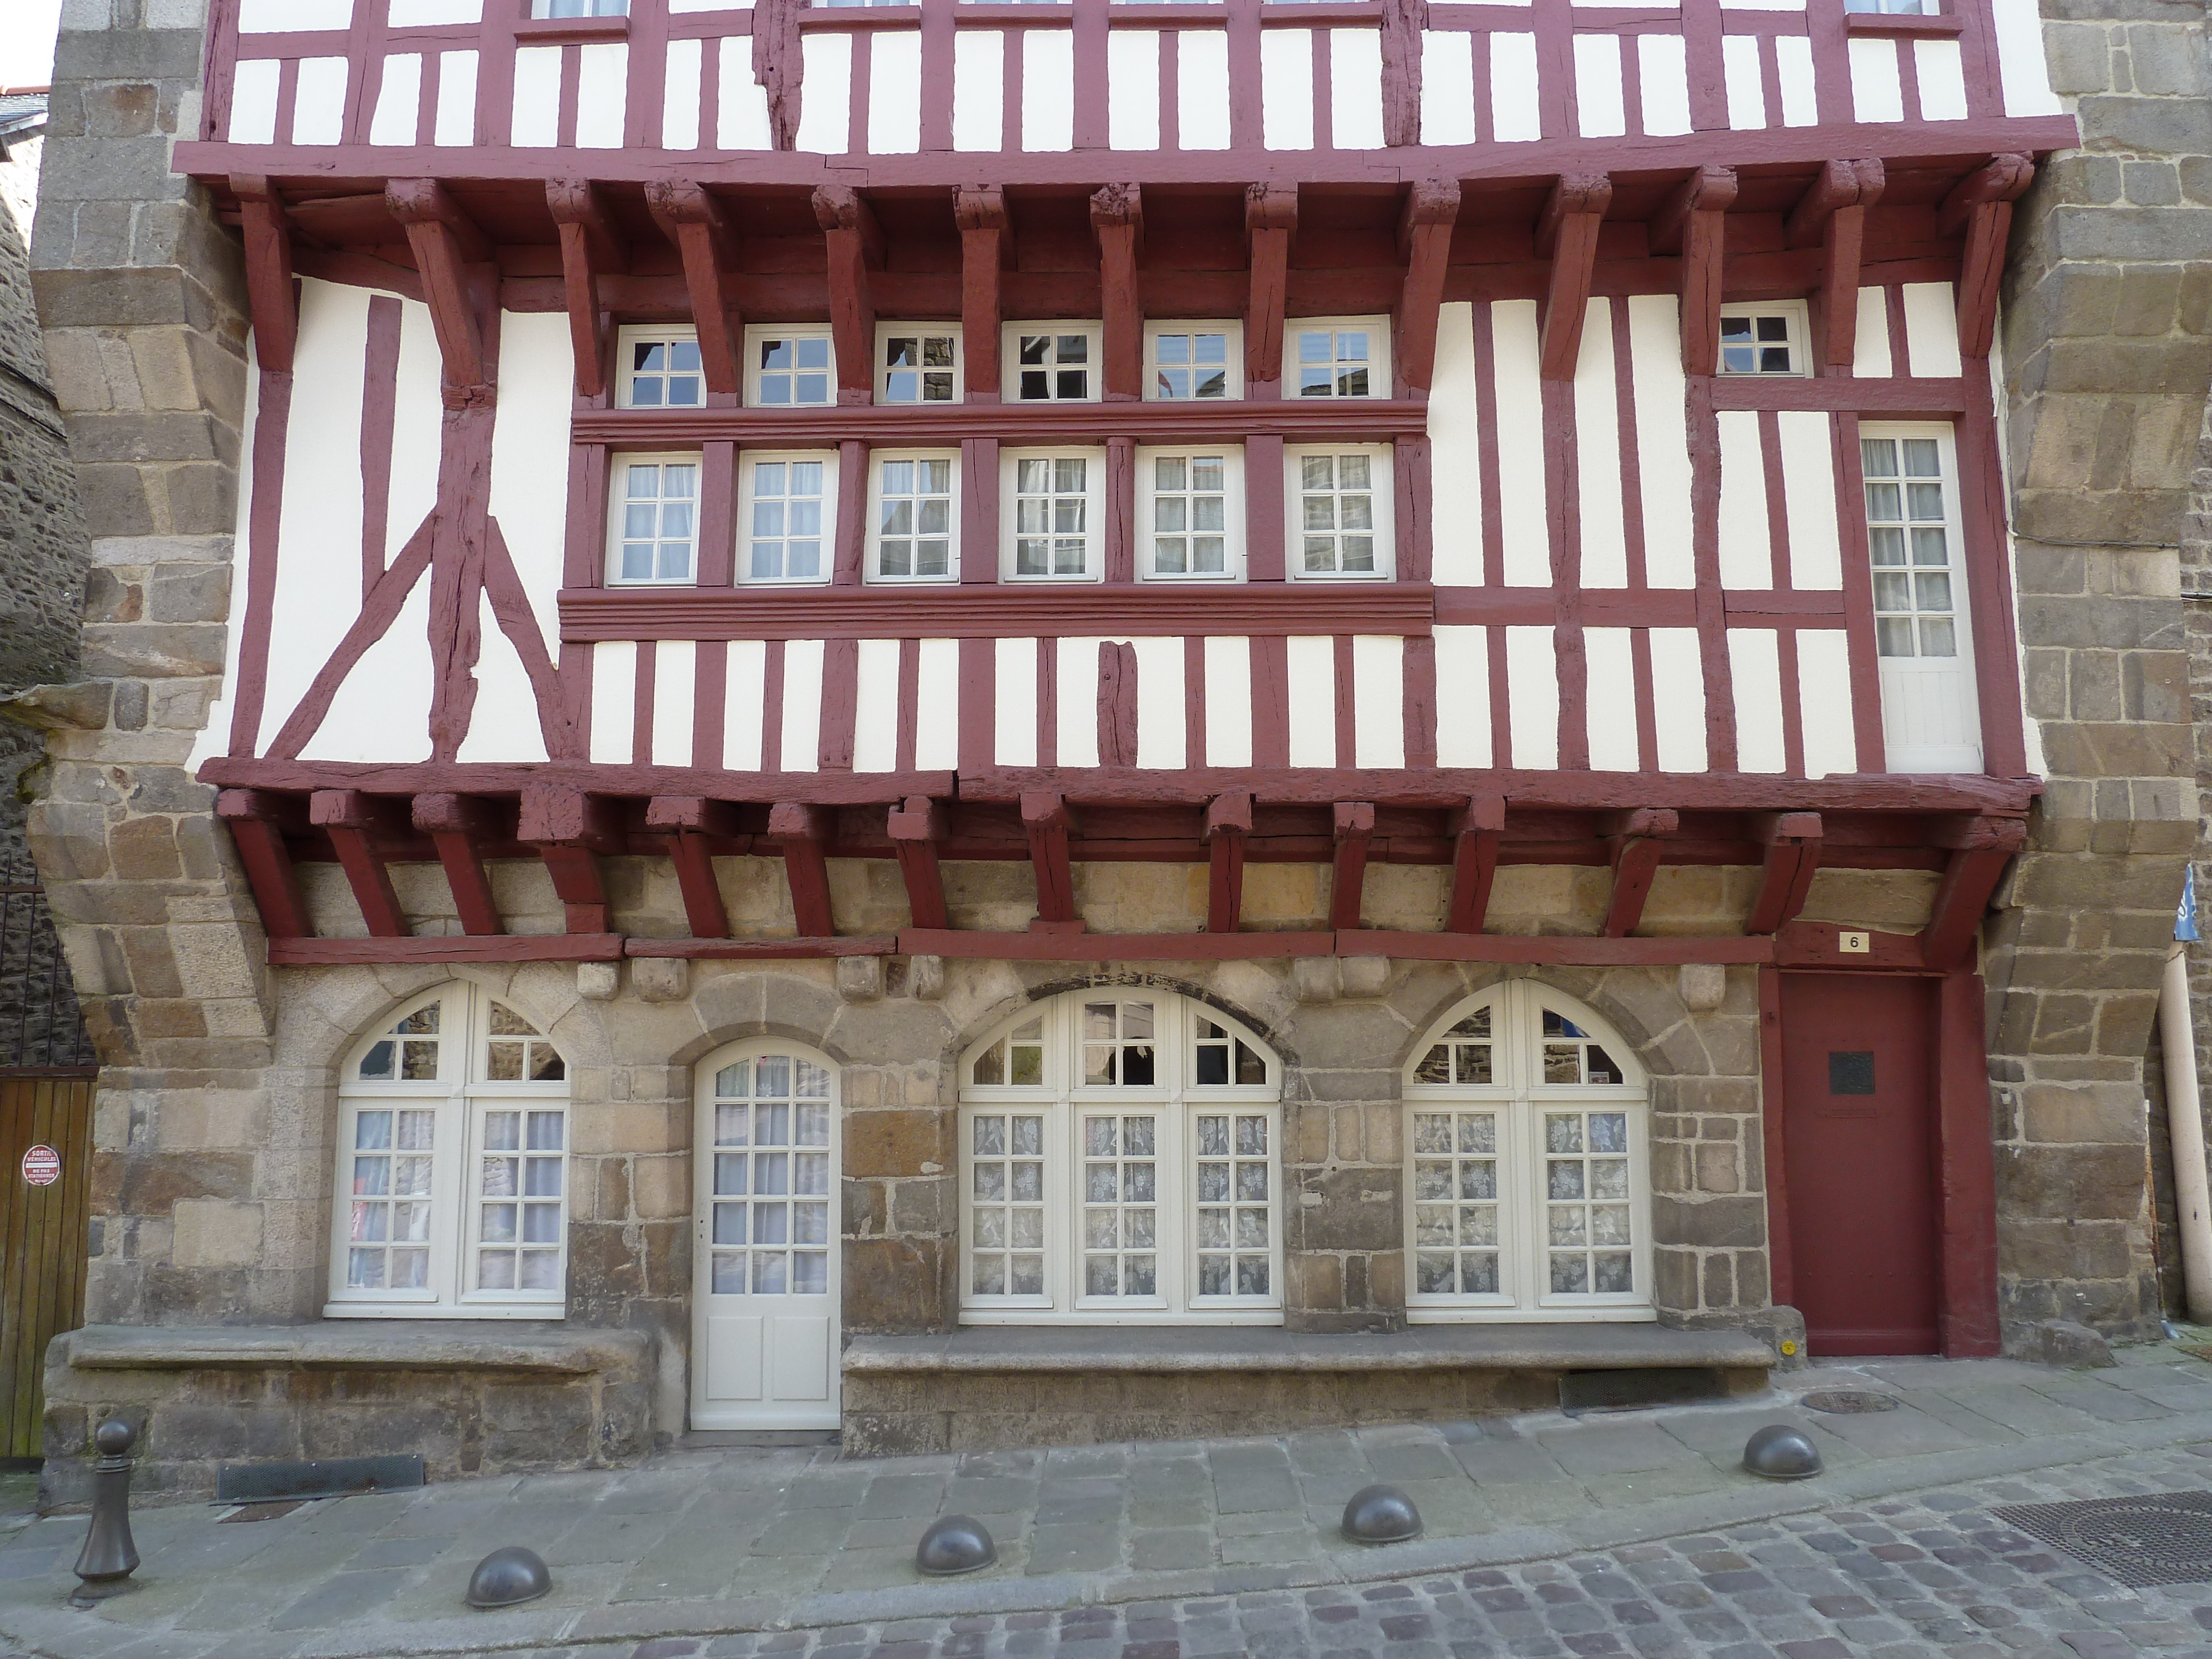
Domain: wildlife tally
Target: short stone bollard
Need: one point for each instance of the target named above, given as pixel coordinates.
(109, 1556)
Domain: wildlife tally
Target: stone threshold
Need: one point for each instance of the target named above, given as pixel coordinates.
(439, 1345)
(1164, 1349)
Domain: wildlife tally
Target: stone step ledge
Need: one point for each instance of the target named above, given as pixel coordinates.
(440, 1345)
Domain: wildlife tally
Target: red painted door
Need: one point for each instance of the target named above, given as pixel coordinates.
(1858, 1083)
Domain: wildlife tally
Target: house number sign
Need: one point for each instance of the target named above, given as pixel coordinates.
(42, 1166)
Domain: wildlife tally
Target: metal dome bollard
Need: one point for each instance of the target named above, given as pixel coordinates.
(1780, 1452)
(954, 1544)
(109, 1556)
(507, 1577)
(1381, 1514)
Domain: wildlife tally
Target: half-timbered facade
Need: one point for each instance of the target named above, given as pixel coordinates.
(911, 692)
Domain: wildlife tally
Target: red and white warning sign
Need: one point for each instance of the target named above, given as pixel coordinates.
(42, 1166)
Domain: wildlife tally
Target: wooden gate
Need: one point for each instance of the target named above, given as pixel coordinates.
(42, 1243)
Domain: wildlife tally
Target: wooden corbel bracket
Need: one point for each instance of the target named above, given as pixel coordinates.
(855, 246)
(987, 251)
(693, 825)
(699, 227)
(356, 824)
(1424, 235)
(1981, 205)
(269, 296)
(1047, 824)
(1980, 849)
(570, 828)
(458, 826)
(1567, 235)
(800, 832)
(1833, 212)
(591, 246)
(1117, 219)
(1693, 223)
(1637, 839)
(1228, 823)
(444, 240)
(258, 822)
(916, 827)
(1271, 219)
(1476, 829)
(1353, 823)
(1792, 840)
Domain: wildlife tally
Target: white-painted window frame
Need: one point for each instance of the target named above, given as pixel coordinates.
(1383, 482)
(1377, 361)
(461, 1097)
(886, 332)
(759, 334)
(874, 571)
(748, 460)
(1233, 368)
(1795, 315)
(1148, 493)
(628, 338)
(618, 501)
(556, 9)
(1907, 681)
(1520, 1099)
(1094, 512)
(1178, 1102)
(1094, 365)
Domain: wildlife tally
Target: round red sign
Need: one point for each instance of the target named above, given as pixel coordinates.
(42, 1166)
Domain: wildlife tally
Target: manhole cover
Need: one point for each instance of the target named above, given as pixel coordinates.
(2160, 1538)
(1841, 1401)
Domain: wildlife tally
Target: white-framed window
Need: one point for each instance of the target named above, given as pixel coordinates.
(918, 362)
(1528, 1170)
(451, 1190)
(787, 503)
(1190, 513)
(1931, 718)
(1121, 1162)
(1054, 507)
(1340, 516)
(653, 536)
(1907, 7)
(580, 8)
(1194, 362)
(660, 366)
(1769, 337)
(1336, 357)
(1052, 362)
(789, 368)
(914, 512)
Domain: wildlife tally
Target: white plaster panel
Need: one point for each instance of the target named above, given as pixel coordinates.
(1597, 447)
(1446, 87)
(1202, 88)
(1877, 89)
(1532, 698)
(253, 101)
(399, 99)
(1601, 108)
(1663, 440)
(1378, 700)
(1520, 404)
(602, 95)
(894, 92)
(1286, 88)
(679, 106)
(1746, 559)
(937, 691)
(1228, 701)
(214, 737)
(1931, 330)
(456, 123)
(2021, 67)
(1047, 89)
(1355, 75)
(1312, 661)
(536, 120)
(744, 684)
(1678, 704)
(679, 7)
(1870, 359)
(802, 705)
(429, 13)
(1077, 673)
(1942, 72)
(675, 690)
(876, 707)
(1014, 724)
(741, 102)
(825, 113)
(1755, 665)
(292, 16)
(1463, 697)
(318, 107)
(1762, 5)
(1161, 728)
(1824, 702)
(1793, 73)
(1455, 452)
(1663, 77)
(614, 702)
(536, 382)
(382, 712)
(979, 89)
(418, 419)
(1808, 494)
(1514, 115)
(1739, 78)
(1610, 707)
(1133, 78)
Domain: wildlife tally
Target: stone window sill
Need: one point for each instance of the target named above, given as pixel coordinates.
(442, 1345)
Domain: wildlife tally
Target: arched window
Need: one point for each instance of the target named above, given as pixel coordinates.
(451, 1191)
(1530, 1197)
(1121, 1162)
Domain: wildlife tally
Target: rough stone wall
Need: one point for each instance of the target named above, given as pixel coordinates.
(2196, 623)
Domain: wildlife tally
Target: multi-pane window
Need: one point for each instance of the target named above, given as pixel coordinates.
(790, 368)
(1338, 357)
(580, 8)
(1053, 506)
(1528, 1195)
(1051, 363)
(451, 1187)
(1188, 361)
(1190, 510)
(660, 369)
(1764, 339)
(1908, 538)
(1120, 1158)
(655, 518)
(1908, 7)
(1339, 507)
(913, 516)
(787, 510)
(917, 363)
(770, 1192)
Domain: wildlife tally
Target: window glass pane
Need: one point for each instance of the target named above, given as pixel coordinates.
(1051, 516)
(1120, 1217)
(1234, 1226)
(771, 1196)
(914, 520)
(1337, 512)
(665, 373)
(786, 531)
(1589, 1230)
(1916, 615)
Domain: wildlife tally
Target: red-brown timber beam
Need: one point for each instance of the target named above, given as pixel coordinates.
(1637, 838)
(1228, 822)
(570, 828)
(1475, 829)
(458, 826)
(916, 830)
(1425, 233)
(799, 832)
(855, 243)
(1566, 235)
(1833, 212)
(1981, 205)
(444, 241)
(257, 821)
(987, 251)
(1271, 219)
(700, 228)
(351, 819)
(590, 244)
(693, 824)
(1793, 857)
(1353, 824)
(1981, 847)
(268, 233)
(1694, 224)
(1117, 218)
(1046, 821)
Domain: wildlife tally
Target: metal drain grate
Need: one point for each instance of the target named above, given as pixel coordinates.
(1841, 1401)
(2160, 1538)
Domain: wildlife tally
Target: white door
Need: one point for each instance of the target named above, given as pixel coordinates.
(764, 1349)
